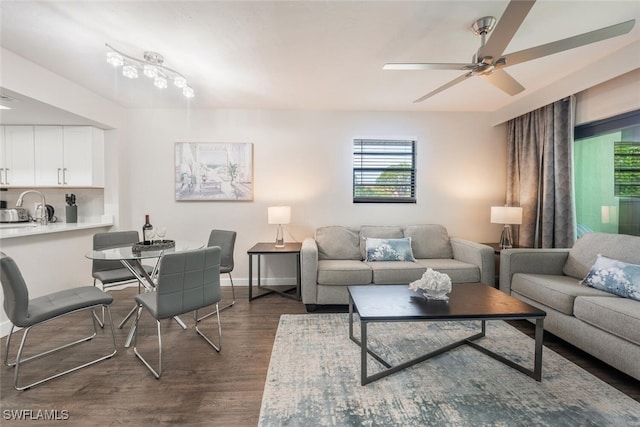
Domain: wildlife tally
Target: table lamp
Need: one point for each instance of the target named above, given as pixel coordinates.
(506, 215)
(279, 215)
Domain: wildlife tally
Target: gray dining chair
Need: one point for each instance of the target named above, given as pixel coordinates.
(114, 273)
(27, 313)
(226, 240)
(187, 281)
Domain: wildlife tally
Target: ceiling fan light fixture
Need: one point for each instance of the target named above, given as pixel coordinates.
(151, 66)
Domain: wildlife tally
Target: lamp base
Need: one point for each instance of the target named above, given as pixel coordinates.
(279, 237)
(505, 238)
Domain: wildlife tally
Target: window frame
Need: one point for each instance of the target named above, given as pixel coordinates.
(368, 162)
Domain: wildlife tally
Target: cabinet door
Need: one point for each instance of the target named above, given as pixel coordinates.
(18, 156)
(48, 155)
(83, 156)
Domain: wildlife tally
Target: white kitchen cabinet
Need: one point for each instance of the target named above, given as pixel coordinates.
(70, 156)
(17, 161)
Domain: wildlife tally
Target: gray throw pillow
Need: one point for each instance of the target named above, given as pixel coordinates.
(429, 241)
(335, 242)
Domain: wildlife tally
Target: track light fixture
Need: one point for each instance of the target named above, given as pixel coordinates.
(151, 66)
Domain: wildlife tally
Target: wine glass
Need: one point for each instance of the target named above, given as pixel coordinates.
(162, 231)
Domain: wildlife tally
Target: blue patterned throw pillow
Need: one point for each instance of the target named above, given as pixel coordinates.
(615, 277)
(388, 249)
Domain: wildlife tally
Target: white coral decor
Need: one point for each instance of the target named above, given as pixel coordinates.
(435, 285)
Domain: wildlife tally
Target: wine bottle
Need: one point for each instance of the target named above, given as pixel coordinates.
(147, 230)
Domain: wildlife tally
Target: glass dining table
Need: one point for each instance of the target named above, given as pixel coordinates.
(132, 259)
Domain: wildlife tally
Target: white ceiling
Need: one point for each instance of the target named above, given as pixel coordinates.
(301, 54)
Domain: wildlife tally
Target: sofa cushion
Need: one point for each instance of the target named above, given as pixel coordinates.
(336, 242)
(378, 232)
(388, 249)
(343, 272)
(459, 271)
(429, 241)
(395, 272)
(618, 316)
(584, 252)
(614, 276)
(554, 291)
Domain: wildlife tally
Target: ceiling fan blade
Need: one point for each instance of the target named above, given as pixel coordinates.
(503, 81)
(436, 66)
(569, 43)
(443, 87)
(505, 29)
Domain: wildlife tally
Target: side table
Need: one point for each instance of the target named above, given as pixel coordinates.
(496, 250)
(260, 249)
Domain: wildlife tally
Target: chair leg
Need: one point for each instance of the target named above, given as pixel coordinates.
(93, 312)
(233, 301)
(19, 361)
(206, 338)
(135, 346)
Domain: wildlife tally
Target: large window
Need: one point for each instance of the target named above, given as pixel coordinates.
(607, 175)
(384, 171)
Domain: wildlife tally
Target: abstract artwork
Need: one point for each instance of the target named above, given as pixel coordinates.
(214, 171)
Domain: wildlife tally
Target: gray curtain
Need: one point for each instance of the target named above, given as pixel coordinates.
(539, 175)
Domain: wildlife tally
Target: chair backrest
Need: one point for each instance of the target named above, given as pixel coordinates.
(111, 239)
(16, 294)
(188, 281)
(227, 241)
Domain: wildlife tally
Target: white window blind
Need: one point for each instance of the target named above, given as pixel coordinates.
(384, 171)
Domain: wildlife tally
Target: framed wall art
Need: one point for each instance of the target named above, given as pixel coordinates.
(214, 171)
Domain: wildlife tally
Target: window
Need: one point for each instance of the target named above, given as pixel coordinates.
(607, 175)
(384, 171)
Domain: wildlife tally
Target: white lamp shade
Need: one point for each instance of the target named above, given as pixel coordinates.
(279, 215)
(506, 215)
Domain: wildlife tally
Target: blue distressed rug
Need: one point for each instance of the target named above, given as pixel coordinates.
(314, 380)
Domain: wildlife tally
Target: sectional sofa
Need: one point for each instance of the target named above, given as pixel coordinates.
(337, 257)
(603, 323)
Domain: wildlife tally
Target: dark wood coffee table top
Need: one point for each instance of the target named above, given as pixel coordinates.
(466, 301)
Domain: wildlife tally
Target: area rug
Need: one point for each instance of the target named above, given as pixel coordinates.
(314, 380)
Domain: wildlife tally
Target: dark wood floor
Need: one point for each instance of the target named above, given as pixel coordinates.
(198, 385)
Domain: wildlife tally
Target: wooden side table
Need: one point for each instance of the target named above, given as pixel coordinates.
(260, 249)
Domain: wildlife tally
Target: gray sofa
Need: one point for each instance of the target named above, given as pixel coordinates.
(600, 323)
(334, 259)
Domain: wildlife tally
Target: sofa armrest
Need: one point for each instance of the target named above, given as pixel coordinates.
(477, 254)
(532, 261)
(309, 270)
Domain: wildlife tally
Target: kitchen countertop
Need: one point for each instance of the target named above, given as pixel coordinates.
(21, 229)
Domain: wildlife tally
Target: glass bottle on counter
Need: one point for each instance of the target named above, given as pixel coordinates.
(147, 231)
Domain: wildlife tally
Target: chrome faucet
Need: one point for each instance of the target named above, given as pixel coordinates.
(43, 207)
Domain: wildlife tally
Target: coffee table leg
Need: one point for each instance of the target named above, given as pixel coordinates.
(363, 353)
(537, 369)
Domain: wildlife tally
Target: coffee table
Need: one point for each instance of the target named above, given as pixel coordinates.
(473, 301)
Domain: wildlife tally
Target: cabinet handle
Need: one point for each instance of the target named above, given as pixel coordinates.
(64, 176)
(59, 181)
(6, 176)
(1, 177)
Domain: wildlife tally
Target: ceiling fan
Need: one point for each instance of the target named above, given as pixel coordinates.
(489, 61)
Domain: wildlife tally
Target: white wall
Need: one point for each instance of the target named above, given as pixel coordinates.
(304, 159)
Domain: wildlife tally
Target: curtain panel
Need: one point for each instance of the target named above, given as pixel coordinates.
(539, 175)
